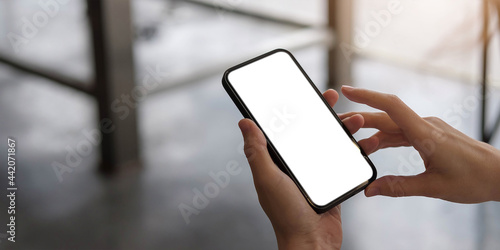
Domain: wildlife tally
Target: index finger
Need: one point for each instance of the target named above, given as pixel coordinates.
(409, 121)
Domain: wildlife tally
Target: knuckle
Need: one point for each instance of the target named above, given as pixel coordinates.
(393, 99)
(400, 191)
(346, 119)
(347, 115)
(396, 187)
(434, 120)
(253, 150)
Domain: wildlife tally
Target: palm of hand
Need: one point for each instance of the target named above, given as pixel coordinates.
(293, 217)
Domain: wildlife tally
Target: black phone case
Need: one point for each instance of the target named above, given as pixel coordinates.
(278, 160)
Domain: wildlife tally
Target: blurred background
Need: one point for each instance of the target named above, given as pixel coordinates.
(146, 73)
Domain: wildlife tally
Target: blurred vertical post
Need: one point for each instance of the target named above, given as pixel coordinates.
(484, 69)
(111, 28)
(340, 15)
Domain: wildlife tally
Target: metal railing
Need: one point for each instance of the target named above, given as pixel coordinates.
(113, 65)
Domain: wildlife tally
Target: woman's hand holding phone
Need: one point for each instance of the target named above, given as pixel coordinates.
(296, 224)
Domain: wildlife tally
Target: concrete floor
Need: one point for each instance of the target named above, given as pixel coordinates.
(190, 131)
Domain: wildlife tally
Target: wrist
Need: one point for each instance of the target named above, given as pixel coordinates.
(494, 175)
(307, 242)
(496, 191)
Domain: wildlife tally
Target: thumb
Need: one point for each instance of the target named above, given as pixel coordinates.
(400, 186)
(261, 163)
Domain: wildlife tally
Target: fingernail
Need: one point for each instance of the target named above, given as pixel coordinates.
(372, 192)
(347, 87)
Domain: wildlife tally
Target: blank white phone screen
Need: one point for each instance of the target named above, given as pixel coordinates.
(314, 146)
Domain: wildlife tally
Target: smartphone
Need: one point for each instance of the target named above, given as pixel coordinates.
(305, 137)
